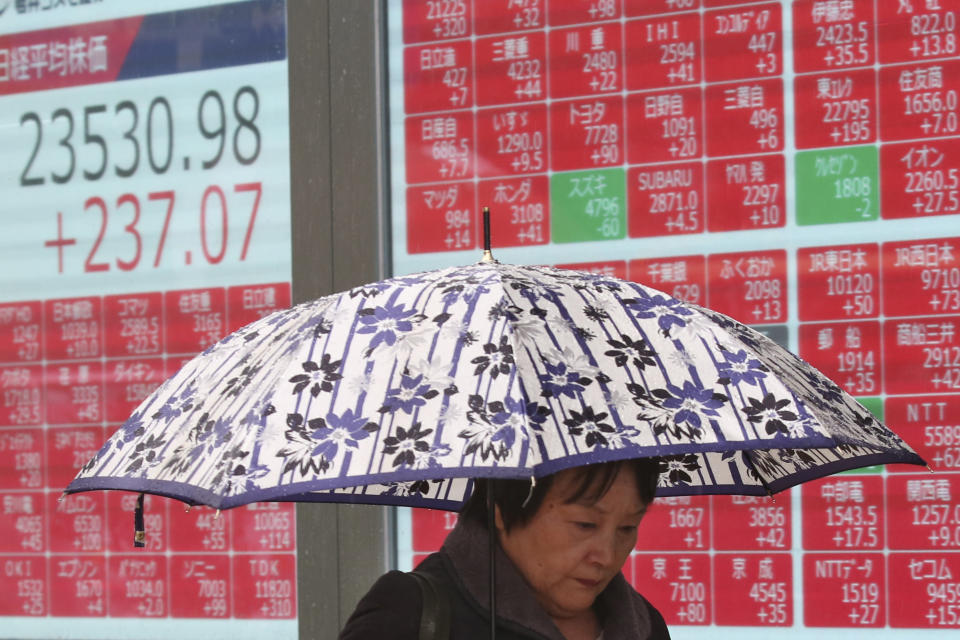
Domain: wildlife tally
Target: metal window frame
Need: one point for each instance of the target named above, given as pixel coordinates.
(340, 226)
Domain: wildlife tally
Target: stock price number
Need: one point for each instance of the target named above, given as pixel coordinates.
(100, 140)
(119, 222)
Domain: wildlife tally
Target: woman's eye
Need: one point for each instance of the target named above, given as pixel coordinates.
(630, 529)
(585, 525)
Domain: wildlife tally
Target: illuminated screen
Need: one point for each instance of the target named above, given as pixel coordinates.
(145, 213)
(795, 165)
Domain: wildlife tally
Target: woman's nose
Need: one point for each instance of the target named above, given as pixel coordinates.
(604, 548)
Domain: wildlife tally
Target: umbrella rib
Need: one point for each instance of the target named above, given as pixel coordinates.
(747, 453)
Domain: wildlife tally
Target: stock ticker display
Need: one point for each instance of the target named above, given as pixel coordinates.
(795, 165)
(146, 207)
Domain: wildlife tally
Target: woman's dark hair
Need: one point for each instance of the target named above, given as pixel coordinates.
(519, 502)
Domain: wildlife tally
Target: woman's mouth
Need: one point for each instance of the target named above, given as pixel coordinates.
(590, 584)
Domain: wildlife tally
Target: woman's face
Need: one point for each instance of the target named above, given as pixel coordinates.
(569, 552)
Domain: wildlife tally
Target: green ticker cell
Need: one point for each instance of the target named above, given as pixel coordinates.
(875, 405)
(588, 205)
(838, 185)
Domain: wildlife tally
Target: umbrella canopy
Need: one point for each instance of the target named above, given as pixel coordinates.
(399, 392)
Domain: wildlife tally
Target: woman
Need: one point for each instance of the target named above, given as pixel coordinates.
(562, 545)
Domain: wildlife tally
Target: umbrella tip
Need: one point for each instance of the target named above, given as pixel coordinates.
(487, 253)
(929, 468)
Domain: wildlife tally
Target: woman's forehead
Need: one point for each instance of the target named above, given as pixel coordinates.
(586, 487)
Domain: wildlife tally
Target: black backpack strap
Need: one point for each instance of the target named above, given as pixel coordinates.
(435, 614)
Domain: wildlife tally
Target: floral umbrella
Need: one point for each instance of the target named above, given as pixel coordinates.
(399, 392)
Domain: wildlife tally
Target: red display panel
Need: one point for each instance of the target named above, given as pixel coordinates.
(439, 147)
(514, 69)
(750, 286)
(920, 178)
(746, 117)
(195, 319)
(78, 586)
(440, 73)
(202, 586)
(519, 210)
(746, 193)
(441, 218)
(844, 590)
(840, 108)
(574, 11)
(843, 513)
(927, 511)
(273, 586)
(743, 42)
(614, 268)
(423, 21)
(511, 141)
(138, 585)
(753, 589)
(133, 324)
(678, 585)
(921, 277)
(923, 590)
(24, 523)
(120, 526)
(921, 355)
(248, 303)
(849, 353)
(20, 331)
(920, 101)
(750, 523)
(128, 383)
(665, 200)
(24, 583)
(586, 133)
(68, 449)
(931, 425)
(649, 7)
(665, 126)
(78, 525)
(264, 526)
(22, 388)
(430, 528)
(916, 30)
(74, 393)
(586, 60)
(21, 459)
(832, 35)
(685, 518)
(683, 277)
(199, 529)
(663, 51)
(73, 328)
(838, 282)
(501, 16)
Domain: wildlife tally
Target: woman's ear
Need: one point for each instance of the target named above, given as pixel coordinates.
(498, 519)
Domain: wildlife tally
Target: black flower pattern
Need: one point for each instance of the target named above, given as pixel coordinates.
(498, 358)
(317, 377)
(677, 469)
(772, 413)
(626, 349)
(406, 444)
(591, 425)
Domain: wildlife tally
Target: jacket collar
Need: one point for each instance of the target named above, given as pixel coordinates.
(623, 613)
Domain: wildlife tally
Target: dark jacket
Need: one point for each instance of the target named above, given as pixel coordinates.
(391, 609)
